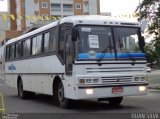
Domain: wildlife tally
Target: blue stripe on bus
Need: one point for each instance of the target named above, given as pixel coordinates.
(112, 56)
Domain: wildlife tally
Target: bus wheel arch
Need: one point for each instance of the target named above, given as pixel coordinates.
(21, 92)
(18, 80)
(20, 88)
(58, 93)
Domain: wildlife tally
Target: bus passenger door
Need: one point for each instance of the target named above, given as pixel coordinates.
(68, 54)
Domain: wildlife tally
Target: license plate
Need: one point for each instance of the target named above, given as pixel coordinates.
(117, 90)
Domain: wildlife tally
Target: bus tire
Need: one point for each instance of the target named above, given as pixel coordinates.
(63, 102)
(116, 101)
(21, 93)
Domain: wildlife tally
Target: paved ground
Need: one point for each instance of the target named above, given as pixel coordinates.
(43, 104)
(154, 79)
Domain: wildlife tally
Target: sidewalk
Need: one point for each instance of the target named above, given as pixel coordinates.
(154, 79)
(154, 86)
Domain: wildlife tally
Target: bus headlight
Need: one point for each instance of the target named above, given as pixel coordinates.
(142, 88)
(89, 91)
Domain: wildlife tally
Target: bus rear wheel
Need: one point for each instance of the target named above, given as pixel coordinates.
(24, 94)
(115, 101)
(63, 102)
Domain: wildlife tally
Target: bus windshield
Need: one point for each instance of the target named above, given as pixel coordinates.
(112, 42)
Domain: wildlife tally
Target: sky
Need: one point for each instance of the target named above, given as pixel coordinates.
(119, 7)
(116, 7)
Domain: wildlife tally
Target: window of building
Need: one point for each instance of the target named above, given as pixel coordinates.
(67, 8)
(11, 51)
(55, 7)
(26, 47)
(78, 6)
(44, 5)
(18, 50)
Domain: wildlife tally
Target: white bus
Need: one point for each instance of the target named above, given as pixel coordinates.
(79, 57)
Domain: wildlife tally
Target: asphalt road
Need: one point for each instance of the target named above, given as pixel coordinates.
(43, 104)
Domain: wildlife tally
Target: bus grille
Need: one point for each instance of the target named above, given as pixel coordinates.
(117, 80)
(114, 70)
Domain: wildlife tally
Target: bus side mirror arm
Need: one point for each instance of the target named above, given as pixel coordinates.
(75, 34)
(142, 43)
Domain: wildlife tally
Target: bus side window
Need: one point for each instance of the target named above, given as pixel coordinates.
(39, 44)
(7, 52)
(18, 50)
(34, 41)
(52, 41)
(26, 47)
(61, 41)
(11, 51)
(46, 42)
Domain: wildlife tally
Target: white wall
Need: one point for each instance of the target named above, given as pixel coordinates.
(30, 8)
(4, 24)
(92, 7)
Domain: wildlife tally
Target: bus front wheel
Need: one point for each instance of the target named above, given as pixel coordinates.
(63, 102)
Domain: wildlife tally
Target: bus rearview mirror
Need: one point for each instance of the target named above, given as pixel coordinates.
(142, 41)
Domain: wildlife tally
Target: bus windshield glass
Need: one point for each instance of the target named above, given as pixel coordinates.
(111, 42)
(126, 42)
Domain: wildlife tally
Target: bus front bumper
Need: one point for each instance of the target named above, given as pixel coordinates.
(95, 92)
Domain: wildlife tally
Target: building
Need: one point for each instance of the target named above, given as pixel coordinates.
(8, 27)
(106, 13)
(53, 9)
(27, 13)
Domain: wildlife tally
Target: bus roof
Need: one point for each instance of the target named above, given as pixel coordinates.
(99, 20)
(88, 19)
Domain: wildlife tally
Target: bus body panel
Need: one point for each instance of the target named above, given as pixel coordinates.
(38, 72)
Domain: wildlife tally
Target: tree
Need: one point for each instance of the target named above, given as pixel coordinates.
(150, 10)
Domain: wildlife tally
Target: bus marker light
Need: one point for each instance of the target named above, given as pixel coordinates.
(82, 81)
(89, 91)
(136, 78)
(95, 80)
(88, 80)
(143, 78)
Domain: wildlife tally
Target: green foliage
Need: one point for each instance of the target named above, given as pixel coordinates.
(150, 10)
(151, 56)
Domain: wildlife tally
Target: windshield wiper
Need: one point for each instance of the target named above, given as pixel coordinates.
(105, 51)
(131, 57)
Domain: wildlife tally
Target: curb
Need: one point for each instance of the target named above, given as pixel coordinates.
(156, 88)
